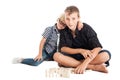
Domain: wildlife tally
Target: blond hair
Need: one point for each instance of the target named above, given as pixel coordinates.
(62, 18)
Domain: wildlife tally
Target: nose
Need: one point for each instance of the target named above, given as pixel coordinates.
(70, 22)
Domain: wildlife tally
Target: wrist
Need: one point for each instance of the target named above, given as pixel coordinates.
(80, 50)
(39, 54)
(87, 61)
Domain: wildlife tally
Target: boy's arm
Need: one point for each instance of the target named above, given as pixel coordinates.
(81, 68)
(86, 53)
(46, 34)
(69, 50)
(39, 56)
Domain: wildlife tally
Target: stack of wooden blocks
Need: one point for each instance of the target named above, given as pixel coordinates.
(59, 72)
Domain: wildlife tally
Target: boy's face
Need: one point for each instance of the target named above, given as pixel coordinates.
(71, 20)
(60, 25)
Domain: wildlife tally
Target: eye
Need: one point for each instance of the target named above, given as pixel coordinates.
(62, 23)
(73, 18)
(67, 19)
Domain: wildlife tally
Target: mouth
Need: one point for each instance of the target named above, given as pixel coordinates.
(70, 25)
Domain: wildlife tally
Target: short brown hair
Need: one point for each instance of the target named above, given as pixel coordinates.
(72, 9)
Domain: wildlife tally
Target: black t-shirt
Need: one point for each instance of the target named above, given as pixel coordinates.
(86, 38)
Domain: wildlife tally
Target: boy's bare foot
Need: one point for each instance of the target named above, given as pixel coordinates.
(100, 68)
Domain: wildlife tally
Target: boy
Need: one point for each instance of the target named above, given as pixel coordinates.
(48, 44)
(80, 49)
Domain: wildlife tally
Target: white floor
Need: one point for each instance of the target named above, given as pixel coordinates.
(25, 72)
(22, 23)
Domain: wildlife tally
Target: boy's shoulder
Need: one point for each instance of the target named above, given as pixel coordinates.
(49, 28)
(87, 26)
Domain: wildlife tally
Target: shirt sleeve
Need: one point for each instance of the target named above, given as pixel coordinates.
(47, 32)
(92, 38)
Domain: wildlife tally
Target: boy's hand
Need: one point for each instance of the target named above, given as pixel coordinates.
(38, 58)
(86, 53)
(80, 25)
(81, 68)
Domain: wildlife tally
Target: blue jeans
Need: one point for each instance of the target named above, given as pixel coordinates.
(45, 56)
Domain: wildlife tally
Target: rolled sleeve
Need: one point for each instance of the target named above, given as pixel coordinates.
(93, 39)
(47, 32)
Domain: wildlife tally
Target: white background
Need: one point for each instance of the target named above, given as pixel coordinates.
(23, 21)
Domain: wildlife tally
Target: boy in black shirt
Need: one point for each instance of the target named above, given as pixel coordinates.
(80, 49)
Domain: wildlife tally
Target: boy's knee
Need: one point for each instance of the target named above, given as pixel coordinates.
(56, 56)
(106, 53)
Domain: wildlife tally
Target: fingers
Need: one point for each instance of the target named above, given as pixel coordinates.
(85, 55)
(79, 70)
(88, 54)
(37, 59)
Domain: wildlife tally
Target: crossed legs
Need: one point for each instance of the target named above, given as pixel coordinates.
(96, 64)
